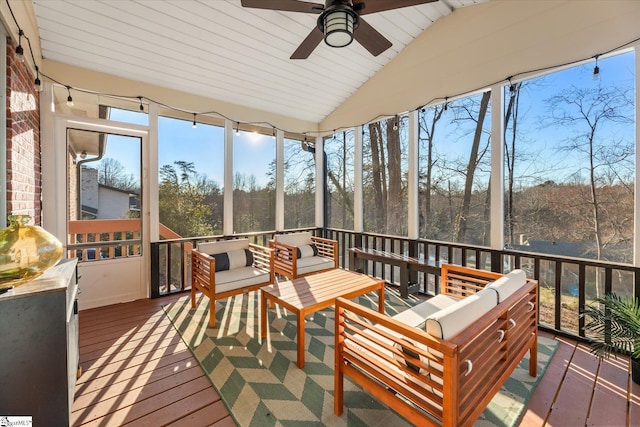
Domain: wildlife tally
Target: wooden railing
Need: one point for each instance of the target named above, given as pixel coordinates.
(566, 284)
(104, 239)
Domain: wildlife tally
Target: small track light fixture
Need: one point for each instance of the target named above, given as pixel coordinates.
(395, 123)
(141, 106)
(69, 98)
(19, 49)
(237, 128)
(194, 121)
(596, 69)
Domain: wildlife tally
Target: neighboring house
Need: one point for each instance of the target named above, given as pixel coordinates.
(104, 202)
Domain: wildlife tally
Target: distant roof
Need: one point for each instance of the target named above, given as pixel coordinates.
(120, 190)
(553, 247)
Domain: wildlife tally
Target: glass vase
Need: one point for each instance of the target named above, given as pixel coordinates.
(26, 251)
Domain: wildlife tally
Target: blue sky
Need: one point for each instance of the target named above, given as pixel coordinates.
(203, 146)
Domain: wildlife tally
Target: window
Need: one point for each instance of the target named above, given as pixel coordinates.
(384, 170)
(299, 184)
(339, 151)
(454, 169)
(190, 190)
(569, 162)
(254, 176)
(104, 193)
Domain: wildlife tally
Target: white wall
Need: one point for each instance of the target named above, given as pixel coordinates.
(89, 185)
(113, 204)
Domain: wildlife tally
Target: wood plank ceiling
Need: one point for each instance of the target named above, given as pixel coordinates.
(220, 50)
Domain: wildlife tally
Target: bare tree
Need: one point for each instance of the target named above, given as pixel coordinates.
(588, 112)
(511, 117)
(475, 155)
(385, 192)
(428, 129)
(112, 174)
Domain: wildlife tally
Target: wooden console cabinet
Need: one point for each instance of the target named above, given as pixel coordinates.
(39, 346)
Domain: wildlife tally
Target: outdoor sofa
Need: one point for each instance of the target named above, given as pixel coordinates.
(441, 362)
(229, 267)
(300, 254)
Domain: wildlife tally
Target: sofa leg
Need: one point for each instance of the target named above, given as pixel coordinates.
(193, 296)
(212, 313)
(338, 393)
(533, 358)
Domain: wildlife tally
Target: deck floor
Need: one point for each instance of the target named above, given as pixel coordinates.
(138, 372)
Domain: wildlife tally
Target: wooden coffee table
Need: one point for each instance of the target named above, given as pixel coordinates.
(312, 293)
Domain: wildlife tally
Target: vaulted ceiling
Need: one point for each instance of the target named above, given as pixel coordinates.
(221, 50)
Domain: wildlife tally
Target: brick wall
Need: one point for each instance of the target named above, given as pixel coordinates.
(24, 173)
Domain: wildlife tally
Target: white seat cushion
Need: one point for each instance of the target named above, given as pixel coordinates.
(294, 239)
(314, 263)
(240, 278)
(508, 284)
(416, 315)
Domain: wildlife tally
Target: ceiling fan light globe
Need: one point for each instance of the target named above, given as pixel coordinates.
(338, 28)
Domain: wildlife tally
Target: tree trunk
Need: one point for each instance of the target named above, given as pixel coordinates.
(510, 150)
(377, 173)
(437, 114)
(394, 214)
(461, 222)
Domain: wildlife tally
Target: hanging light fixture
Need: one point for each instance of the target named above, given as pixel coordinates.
(69, 98)
(596, 69)
(141, 106)
(337, 22)
(194, 121)
(19, 49)
(237, 128)
(37, 81)
(395, 123)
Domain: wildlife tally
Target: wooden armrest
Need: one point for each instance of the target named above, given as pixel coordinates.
(322, 239)
(327, 248)
(284, 264)
(459, 281)
(262, 256)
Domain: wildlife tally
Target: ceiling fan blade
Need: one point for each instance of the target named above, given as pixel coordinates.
(373, 6)
(370, 38)
(308, 45)
(286, 5)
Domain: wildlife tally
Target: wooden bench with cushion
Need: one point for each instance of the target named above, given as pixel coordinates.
(229, 267)
(441, 362)
(300, 254)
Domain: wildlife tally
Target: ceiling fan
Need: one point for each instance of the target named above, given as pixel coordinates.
(339, 21)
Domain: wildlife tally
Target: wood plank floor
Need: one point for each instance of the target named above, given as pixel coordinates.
(138, 372)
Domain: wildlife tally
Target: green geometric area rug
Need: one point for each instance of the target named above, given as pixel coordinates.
(262, 385)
